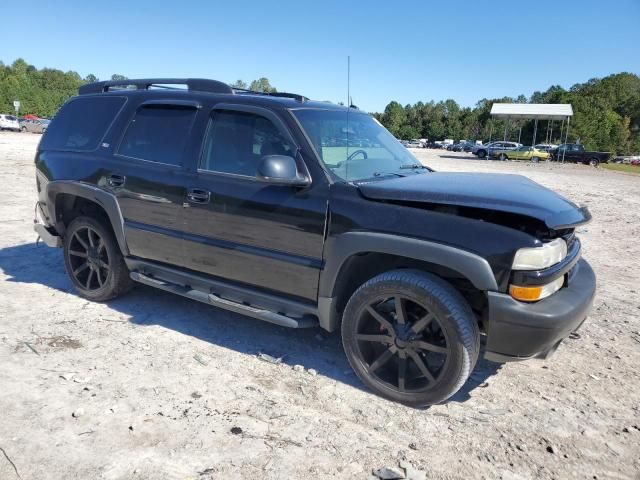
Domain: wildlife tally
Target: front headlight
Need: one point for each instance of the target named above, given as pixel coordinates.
(538, 258)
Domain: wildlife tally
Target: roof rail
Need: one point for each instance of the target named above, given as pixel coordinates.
(193, 84)
(295, 96)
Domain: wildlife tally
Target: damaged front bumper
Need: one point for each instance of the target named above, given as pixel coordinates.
(518, 330)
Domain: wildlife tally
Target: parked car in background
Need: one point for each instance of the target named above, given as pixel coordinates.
(522, 153)
(545, 147)
(489, 150)
(9, 122)
(481, 146)
(575, 152)
(500, 147)
(468, 146)
(413, 144)
(34, 126)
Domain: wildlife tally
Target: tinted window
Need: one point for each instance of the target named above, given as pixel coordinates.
(236, 141)
(81, 123)
(158, 133)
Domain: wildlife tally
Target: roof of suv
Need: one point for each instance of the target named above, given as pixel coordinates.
(202, 89)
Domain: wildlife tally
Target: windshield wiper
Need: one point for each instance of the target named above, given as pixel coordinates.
(384, 174)
(413, 166)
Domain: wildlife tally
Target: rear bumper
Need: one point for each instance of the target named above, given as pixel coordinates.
(48, 236)
(518, 331)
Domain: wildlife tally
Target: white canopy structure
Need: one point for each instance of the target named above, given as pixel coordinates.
(535, 111)
(530, 111)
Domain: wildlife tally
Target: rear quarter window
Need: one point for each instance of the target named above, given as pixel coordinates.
(81, 123)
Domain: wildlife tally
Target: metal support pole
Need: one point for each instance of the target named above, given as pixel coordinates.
(490, 129)
(566, 138)
(506, 123)
(535, 131)
(519, 133)
(561, 129)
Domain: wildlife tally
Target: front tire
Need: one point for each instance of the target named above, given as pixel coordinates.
(503, 157)
(410, 337)
(93, 260)
(594, 162)
(482, 153)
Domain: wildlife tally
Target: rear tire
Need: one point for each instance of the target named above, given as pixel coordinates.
(535, 159)
(594, 162)
(503, 157)
(482, 153)
(23, 129)
(93, 260)
(410, 337)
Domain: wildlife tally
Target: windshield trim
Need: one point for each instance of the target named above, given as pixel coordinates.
(331, 177)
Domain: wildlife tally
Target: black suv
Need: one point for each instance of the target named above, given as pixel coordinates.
(305, 214)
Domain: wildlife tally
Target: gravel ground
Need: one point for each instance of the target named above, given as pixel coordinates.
(153, 386)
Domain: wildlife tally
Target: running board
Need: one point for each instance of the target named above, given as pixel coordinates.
(305, 321)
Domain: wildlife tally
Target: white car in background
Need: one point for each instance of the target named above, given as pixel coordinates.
(9, 122)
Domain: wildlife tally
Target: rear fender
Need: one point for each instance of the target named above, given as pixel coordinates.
(104, 199)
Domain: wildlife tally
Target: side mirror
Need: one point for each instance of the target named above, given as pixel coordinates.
(280, 170)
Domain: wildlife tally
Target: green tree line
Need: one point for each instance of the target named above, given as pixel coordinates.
(606, 117)
(42, 92)
(606, 110)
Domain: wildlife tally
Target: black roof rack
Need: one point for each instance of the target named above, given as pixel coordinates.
(193, 84)
(295, 96)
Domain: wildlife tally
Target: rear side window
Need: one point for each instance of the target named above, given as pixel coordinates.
(158, 133)
(81, 123)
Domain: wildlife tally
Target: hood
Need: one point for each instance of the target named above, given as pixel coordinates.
(500, 192)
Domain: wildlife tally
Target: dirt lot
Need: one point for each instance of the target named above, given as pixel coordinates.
(153, 386)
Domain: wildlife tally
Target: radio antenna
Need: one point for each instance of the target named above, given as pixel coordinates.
(348, 81)
(348, 108)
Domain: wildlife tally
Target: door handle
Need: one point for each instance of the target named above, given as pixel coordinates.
(116, 180)
(198, 195)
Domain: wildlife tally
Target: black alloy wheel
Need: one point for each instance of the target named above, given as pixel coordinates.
(93, 259)
(410, 337)
(88, 258)
(402, 343)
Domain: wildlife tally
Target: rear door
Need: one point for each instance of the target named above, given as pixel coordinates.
(241, 229)
(148, 178)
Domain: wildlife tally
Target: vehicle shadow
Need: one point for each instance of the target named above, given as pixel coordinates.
(312, 348)
(462, 156)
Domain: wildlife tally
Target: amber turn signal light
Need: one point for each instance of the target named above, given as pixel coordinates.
(526, 294)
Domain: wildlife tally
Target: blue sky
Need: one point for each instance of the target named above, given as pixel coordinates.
(400, 50)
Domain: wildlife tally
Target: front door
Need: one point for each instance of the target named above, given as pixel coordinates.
(244, 230)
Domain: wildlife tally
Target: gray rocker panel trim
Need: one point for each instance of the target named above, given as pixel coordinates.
(341, 247)
(105, 199)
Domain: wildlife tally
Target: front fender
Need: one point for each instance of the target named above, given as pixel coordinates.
(340, 248)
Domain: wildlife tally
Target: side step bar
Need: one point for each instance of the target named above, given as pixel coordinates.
(305, 321)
